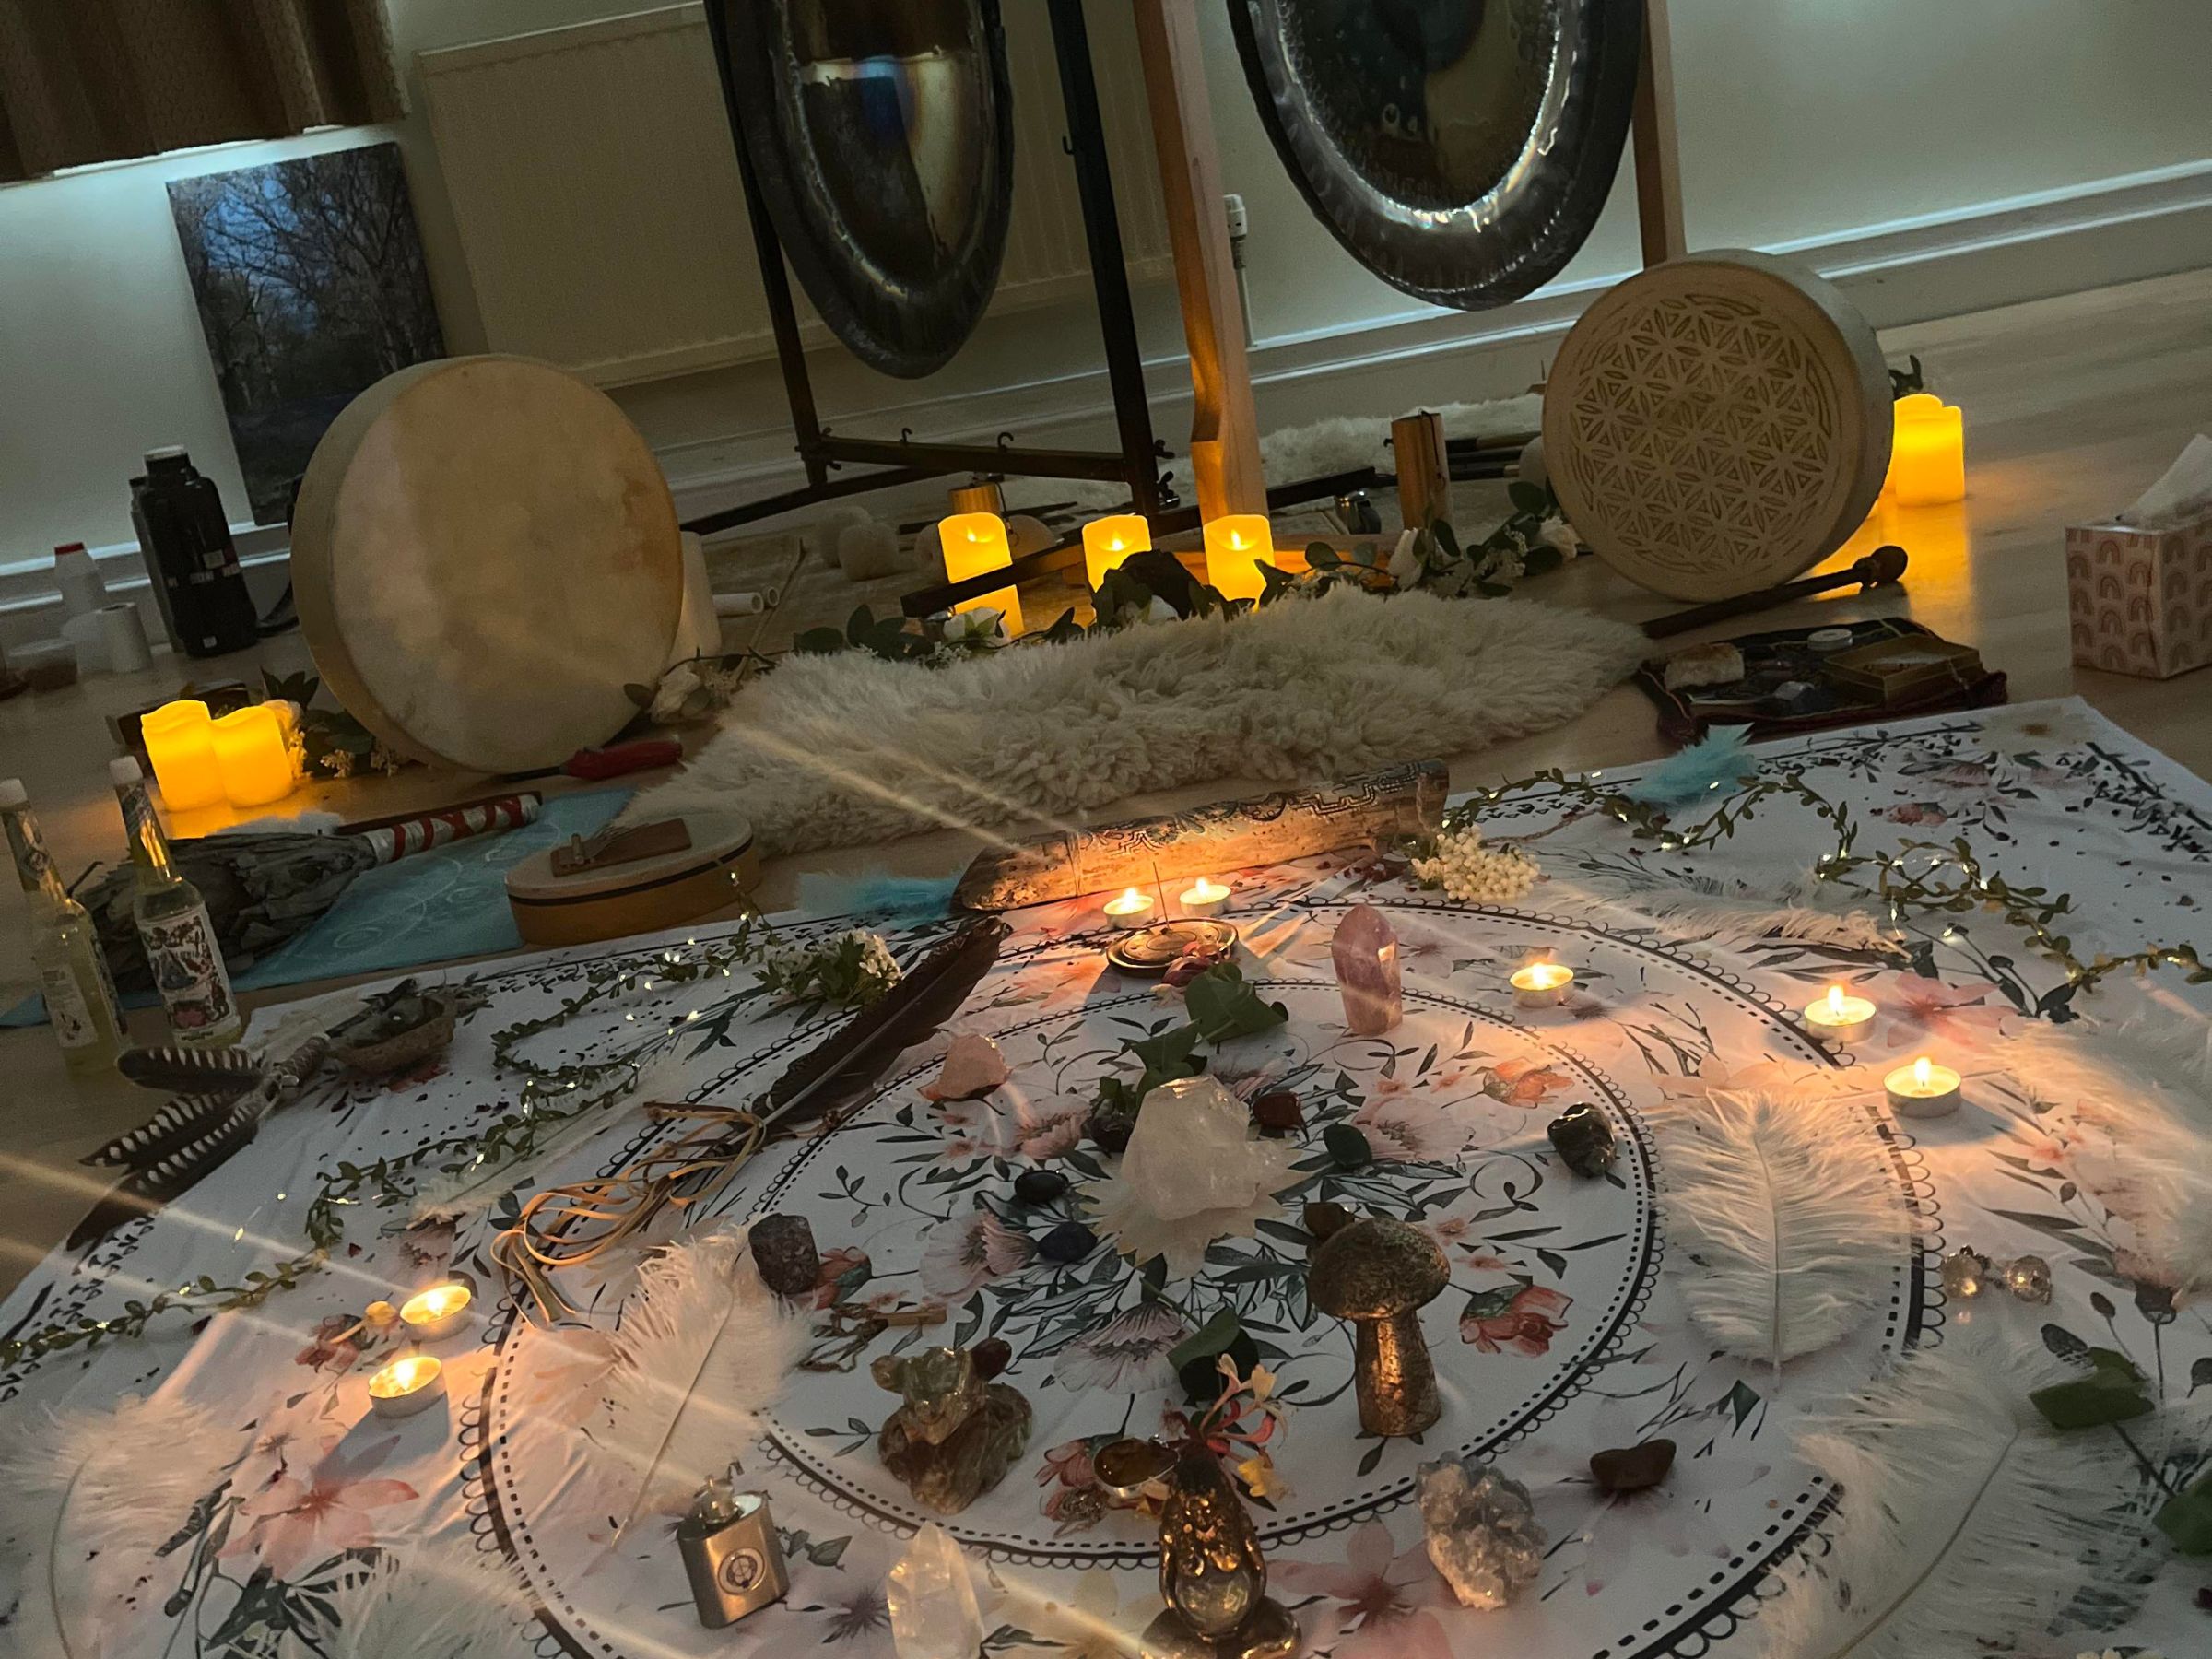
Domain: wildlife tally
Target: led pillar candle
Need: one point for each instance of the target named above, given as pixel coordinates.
(1927, 460)
(180, 741)
(974, 543)
(1237, 545)
(1839, 1017)
(250, 753)
(1108, 541)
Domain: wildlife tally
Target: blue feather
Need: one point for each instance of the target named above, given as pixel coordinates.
(879, 897)
(1720, 759)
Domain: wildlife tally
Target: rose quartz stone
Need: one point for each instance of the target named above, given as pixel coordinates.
(973, 1068)
(1366, 954)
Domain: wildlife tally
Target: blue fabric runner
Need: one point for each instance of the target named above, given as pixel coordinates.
(447, 902)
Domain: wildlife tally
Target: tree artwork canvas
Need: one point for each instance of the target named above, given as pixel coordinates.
(310, 285)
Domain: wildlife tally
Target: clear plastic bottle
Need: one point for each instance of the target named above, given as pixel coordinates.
(64, 946)
(181, 946)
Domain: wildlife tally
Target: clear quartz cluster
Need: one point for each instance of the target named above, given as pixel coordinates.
(1191, 1151)
(1483, 1536)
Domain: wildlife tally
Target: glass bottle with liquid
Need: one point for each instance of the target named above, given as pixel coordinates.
(64, 946)
(181, 946)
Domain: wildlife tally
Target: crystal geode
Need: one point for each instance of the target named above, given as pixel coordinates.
(956, 1434)
(1483, 1536)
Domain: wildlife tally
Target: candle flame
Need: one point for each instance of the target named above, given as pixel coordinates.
(1920, 1072)
(1132, 898)
(1835, 1001)
(404, 1376)
(436, 1304)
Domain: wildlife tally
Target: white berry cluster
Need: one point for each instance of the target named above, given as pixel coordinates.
(1474, 873)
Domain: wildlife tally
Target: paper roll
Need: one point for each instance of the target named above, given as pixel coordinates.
(123, 638)
(741, 605)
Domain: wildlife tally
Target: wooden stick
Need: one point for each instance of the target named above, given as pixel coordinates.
(1658, 156)
(1225, 427)
(1880, 568)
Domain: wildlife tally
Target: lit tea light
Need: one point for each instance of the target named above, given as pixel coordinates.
(407, 1386)
(1133, 909)
(1541, 984)
(1923, 1088)
(1205, 897)
(437, 1312)
(1840, 1017)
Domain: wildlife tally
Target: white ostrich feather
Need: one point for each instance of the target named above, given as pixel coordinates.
(1731, 918)
(1793, 1227)
(1966, 1524)
(2139, 1095)
(703, 1346)
(456, 1604)
(103, 1486)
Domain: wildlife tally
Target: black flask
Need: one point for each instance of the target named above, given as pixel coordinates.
(185, 536)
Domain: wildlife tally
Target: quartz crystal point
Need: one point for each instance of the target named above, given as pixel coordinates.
(1483, 1536)
(1190, 1151)
(1365, 954)
(932, 1600)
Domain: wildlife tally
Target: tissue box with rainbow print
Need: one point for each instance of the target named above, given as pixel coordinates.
(2141, 600)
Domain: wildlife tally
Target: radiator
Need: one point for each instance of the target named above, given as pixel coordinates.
(602, 218)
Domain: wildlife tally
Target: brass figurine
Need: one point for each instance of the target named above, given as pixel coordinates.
(1211, 1573)
(1379, 1274)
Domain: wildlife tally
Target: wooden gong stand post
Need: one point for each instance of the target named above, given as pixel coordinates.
(1658, 156)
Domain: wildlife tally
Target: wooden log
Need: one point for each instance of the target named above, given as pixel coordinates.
(1369, 810)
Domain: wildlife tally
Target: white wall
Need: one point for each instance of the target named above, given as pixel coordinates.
(1837, 126)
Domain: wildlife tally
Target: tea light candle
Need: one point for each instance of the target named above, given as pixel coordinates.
(1923, 1088)
(1927, 459)
(180, 741)
(1237, 545)
(250, 753)
(407, 1386)
(1133, 909)
(1108, 541)
(1840, 1018)
(1541, 984)
(972, 544)
(1204, 897)
(437, 1312)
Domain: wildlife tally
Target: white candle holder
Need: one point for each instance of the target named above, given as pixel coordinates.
(1839, 1020)
(436, 1314)
(413, 1383)
(1542, 984)
(1923, 1089)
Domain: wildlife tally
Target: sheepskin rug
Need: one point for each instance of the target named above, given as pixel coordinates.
(830, 751)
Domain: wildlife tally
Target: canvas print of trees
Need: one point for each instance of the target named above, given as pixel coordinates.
(311, 286)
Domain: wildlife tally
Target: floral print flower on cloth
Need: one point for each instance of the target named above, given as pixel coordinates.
(1515, 1319)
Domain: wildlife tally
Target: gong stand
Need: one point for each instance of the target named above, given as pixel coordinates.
(907, 460)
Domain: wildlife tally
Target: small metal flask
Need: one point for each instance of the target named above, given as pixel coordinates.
(731, 1552)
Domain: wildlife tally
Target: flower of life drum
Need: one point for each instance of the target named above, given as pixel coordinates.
(1718, 424)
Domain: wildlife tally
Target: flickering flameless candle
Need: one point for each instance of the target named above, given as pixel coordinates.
(1839, 1017)
(180, 741)
(1541, 984)
(1927, 459)
(1108, 541)
(974, 543)
(1237, 545)
(408, 1385)
(1204, 897)
(1133, 909)
(256, 768)
(436, 1314)
(1923, 1088)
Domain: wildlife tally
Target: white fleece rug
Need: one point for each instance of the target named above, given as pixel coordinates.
(831, 751)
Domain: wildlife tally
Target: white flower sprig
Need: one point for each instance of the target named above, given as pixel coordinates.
(851, 970)
(1474, 873)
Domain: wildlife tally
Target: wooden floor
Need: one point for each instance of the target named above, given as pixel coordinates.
(2072, 406)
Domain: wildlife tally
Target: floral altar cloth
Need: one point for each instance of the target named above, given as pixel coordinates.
(1563, 1331)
